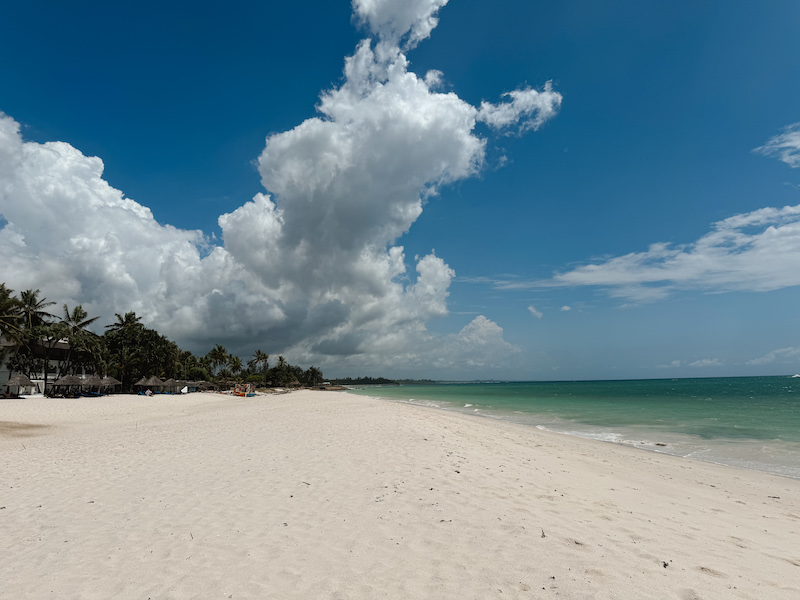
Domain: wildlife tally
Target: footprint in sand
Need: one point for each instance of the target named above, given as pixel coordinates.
(712, 572)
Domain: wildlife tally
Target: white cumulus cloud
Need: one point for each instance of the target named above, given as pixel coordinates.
(311, 269)
(528, 109)
(534, 312)
(410, 20)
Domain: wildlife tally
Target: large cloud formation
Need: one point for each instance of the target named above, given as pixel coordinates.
(312, 270)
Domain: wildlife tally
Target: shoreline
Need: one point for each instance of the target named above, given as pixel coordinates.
(767, 454)
(604, 438)
(332, 494)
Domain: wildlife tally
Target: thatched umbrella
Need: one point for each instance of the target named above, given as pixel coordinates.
(170, 385)
(142, 381)
(110, 382)
(92, 381)
(20, 381)
(154, 382)
(68, 380)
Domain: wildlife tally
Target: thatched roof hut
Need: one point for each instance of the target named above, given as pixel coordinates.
(92, 381)
(201, 385)
(68, 380)
(20, 380)
(110, 382)
(154, 382)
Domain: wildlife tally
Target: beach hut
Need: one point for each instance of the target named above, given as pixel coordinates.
(141, 382)
(201, 386)
(193, 386)
(170, 385)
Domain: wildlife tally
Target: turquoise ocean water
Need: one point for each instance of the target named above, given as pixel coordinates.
(746, 422)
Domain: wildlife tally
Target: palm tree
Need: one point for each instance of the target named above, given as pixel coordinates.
(47, 339)
(33, 309)
(129, 321)
(10, 314)
(281, 373)
(262, 360)
(10, 321)
(77, 319)
(80, 338)
(204, 362)
(186, 362)
(313, 376)
(218, 356)
(235, 364)
(34, 320)
(124, 361)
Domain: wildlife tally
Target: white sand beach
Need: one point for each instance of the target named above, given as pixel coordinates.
(331, 495)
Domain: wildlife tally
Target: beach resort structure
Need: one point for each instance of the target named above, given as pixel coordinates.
(56, 352)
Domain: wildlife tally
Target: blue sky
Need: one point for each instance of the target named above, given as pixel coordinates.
(614, 225)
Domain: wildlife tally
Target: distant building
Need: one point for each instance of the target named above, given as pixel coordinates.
(56, 349)
(5, 355)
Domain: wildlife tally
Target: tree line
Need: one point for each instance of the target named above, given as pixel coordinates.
(127, 349)
(364, 381)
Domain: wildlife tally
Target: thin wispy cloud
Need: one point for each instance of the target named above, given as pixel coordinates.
(706, 362)
(782, 355)
(671, 365)
(700, 363)
(785, 146)
(757, 251)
